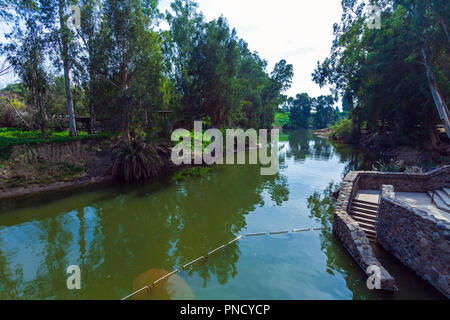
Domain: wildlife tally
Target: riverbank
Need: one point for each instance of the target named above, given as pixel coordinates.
(24, 191)
(60, 166)
(120, 231)
(323, 133)
(414, 158)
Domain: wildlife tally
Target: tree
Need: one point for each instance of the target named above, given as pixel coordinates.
(426, 15)
(215, 61)
(89, 34)
(64, 41)
(26, 54)
(325, 115)
(395, 105)
(301, 111)
(252, 81)
(280, 81)
(127, 24)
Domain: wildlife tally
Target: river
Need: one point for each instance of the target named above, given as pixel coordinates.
(124, 236)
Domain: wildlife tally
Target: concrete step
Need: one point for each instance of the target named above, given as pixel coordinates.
(363, 219)
(444, 197)
(367, 226)
(369, 233)
(373, 204)
(357, 210)
(370, 237)
(447, 191)
(362, 214)
(364, 206)
(440, 204)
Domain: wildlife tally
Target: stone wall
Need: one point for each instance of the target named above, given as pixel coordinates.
(415, 237)
(353, 237)
(405, 182)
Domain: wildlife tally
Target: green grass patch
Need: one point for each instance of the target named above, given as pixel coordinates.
(10, 137)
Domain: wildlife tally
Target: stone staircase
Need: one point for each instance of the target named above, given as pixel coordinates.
(365, 214)
(441, 198)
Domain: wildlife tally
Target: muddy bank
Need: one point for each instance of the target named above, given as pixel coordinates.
(323, 133)
(19, 192)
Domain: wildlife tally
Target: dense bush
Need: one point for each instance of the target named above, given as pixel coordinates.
(139, 160)
(389, 166)
(281, 119)
(342, 130)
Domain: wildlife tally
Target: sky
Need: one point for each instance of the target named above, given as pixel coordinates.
(299, 31)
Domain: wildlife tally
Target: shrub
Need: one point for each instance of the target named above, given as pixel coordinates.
(389, 166)
(281, 120)
(138, 160)
(342, 130)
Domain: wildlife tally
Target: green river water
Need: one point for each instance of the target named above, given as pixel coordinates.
(124, 236)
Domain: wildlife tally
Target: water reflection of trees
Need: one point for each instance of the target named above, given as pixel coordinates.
(115, 236)
(321, 209)
(304, 144)
(354, 158)
(338, 260)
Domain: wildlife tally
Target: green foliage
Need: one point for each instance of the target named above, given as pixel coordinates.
(139, 160)
(283, 137)
(218, 78)
(341, 130)
(322, 205)
(389, 166)
(300, 111)
(190, 172)
(10, 137)
(305, 112)
(324, 113)
(124, 71)
(281, 119)
(380, 73)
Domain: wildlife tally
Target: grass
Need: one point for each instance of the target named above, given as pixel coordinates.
(10, 137)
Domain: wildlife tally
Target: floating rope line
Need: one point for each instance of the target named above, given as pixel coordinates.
(300, 230)
(279, 232)
(205, 257)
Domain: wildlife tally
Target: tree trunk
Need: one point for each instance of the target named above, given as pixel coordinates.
(126, 107)
(43, 120)
(438, 99)
(91, 94)
(91, 102)
(91, 73)
(64, 34)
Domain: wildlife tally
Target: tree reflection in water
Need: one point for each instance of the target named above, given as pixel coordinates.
(322, 209)
(116, 235)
